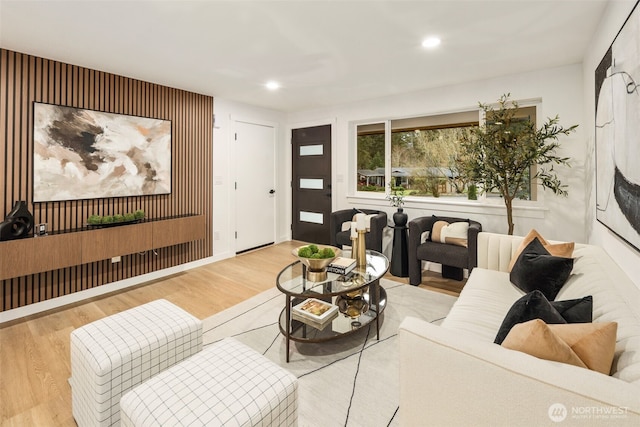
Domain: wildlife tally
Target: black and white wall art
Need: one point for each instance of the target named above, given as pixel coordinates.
(86, 154)
(617, 79)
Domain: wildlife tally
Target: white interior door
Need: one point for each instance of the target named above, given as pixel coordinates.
(255, 185)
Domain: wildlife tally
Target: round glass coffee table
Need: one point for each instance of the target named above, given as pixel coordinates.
(359, 299)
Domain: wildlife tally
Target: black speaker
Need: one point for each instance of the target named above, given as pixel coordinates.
(17, 224)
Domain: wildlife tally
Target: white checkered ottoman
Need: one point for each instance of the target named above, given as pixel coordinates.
(112, 355)
(227, 384)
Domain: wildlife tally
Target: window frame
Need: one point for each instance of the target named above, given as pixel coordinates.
(533, 208)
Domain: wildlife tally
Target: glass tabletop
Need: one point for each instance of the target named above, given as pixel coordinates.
(293, 281)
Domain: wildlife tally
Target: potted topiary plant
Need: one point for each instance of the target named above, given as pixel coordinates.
(396, 197)
(499, 154)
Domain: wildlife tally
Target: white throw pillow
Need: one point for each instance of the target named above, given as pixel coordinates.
(455, 234)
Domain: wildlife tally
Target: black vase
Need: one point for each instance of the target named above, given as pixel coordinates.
(17, 224)
(400, 218)
(400, 256)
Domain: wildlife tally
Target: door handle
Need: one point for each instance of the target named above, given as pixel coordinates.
(328, 194)
(272, 191)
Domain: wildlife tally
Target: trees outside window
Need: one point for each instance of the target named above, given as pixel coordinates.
(370, 158)
(427, 154)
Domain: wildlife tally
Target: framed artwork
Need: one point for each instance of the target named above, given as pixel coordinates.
(617, 79)
(86, 154)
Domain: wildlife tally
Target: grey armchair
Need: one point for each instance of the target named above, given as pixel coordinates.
(452, 257)
(373, 239)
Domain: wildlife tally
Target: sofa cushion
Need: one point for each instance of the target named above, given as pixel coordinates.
(564, 249)
(483, 304)
(535, 269)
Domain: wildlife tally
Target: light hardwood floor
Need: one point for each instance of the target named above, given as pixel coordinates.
(34, 352)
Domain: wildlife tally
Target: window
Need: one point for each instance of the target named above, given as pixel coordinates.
(423, 153)
(371, 159)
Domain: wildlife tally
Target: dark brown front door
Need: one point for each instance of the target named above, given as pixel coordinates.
(311, 186)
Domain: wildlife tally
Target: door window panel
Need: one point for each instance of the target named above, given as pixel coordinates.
(311, 150)
(314, 217)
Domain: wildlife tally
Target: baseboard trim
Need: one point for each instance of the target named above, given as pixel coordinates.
(39, 307)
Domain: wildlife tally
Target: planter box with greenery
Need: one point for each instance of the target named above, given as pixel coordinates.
(118, 219)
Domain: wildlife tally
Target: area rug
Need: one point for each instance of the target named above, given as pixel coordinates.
(352, 381)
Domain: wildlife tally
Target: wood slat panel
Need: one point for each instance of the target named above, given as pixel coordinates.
(25, 79)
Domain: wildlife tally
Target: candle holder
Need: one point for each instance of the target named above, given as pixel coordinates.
(359, 249)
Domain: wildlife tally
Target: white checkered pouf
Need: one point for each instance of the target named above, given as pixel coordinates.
(227, 384)
(112, 355)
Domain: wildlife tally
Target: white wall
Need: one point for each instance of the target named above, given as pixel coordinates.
(224, 157)
(560, 91)
(611, 22)
(567, 91)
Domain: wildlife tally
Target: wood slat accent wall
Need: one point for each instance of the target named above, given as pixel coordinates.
(25, 79)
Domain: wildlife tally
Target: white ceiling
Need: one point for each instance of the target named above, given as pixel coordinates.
(322, 52)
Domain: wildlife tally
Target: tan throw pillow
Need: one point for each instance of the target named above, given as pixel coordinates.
(535, 338)
(588, 345)
(454, 234)
(593, 343)
(564, 250)
(436, 229)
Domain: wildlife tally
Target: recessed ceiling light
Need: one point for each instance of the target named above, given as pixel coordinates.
(431, 42)
(273, 85)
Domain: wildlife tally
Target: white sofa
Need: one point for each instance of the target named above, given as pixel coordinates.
(454, 374)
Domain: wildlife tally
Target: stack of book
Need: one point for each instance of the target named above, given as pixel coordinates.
(341, 265)
(315, 312)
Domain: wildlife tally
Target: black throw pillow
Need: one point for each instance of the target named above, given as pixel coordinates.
(575, 310)
(535, 305)
(535, 269)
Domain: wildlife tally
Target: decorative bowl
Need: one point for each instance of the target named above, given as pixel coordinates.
(352, 307)
(317, 267)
